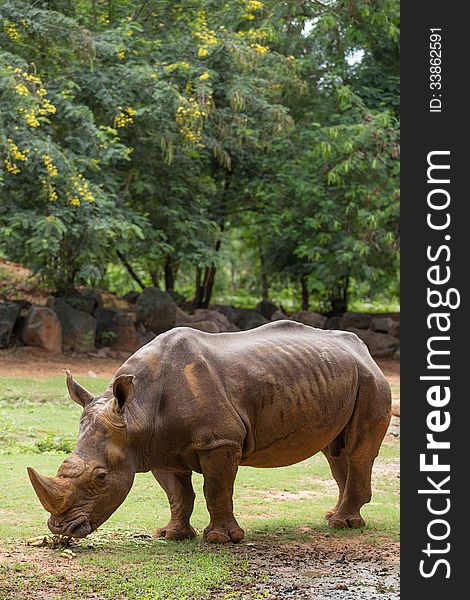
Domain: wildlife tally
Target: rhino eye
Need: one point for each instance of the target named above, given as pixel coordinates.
(100, 475)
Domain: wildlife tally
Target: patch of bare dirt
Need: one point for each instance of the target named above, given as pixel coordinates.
(256, 516)
(30, 565)
(327, 567)
(44, 561)
(283, 496)
(19, 361)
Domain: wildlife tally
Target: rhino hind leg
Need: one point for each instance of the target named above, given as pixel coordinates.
(339, 470)
(179, 489)
(219, 468)
(363, 438)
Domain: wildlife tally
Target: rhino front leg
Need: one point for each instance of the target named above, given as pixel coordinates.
(219, 468)
(179, 489)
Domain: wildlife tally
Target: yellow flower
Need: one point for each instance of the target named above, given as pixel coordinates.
(204, 76)
(11, 167)
(259, 48)
(15, 152)
(253, 5)
(51, 168)
(21, 89)
(121, 55)
(31, 120)
(206, 37)
(11, 31)
(124, 117)
(80, 191)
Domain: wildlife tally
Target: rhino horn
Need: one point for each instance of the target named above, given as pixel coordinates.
(51, 491)
(78, 393)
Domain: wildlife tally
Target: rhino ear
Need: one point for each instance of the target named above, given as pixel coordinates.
(123, 391)
(78, 394)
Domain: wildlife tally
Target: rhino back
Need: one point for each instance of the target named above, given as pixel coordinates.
(282, 390)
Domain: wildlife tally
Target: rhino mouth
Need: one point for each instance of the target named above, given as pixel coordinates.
(79, 528)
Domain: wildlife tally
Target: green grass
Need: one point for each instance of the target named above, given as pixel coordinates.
(119, 560)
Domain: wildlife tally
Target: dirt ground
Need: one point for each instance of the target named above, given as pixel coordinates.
(38, 363)
(323, 568)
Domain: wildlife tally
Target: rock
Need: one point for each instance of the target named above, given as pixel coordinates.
(78, 327)
(333, 323)
(101, 353)
(86, 301)
(207, 326)
(178, 298)
(309, 318)
(396, 354)
(181, 318)
(341, 586)
(249, 318)
(395, 329)
(380, 345)
(23, 304)
(126, 338)
(204, 319)
(266, 309)
(117, 331)
(230, 312)
(42, 328)
(355, 319)
(16, 338)
(9, 312)
(217, 317)
(131, 297)
(104, 325)
(279, 316)
(156, 310)
(381, 324)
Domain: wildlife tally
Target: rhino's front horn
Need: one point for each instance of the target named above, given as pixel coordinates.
(51, 491)
(78, 393)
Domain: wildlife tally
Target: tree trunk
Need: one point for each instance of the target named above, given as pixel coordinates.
(199, 291)
(169, 274)
(339, 300)
(129, 269)
(305, 293)
(204, 291)
(264, 275)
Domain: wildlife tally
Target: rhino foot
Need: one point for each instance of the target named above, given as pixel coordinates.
(346, 521)
(175, 532)
(330, 513)
(223, 535)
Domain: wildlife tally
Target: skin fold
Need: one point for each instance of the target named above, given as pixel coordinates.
(192, 401)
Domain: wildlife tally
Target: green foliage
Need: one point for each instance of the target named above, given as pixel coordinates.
(151, 130)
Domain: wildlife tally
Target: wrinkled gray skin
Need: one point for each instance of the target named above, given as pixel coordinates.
(191, 401)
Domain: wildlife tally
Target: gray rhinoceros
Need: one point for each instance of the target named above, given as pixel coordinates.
(193, 401)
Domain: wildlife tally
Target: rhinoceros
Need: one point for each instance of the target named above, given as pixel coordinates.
(210, 403)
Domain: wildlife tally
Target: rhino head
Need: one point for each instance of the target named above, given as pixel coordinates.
(96, 478)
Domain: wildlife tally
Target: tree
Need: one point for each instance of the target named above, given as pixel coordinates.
(142, 132)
